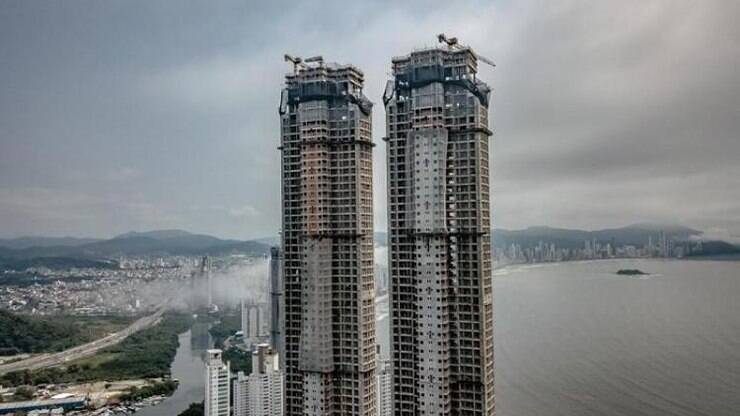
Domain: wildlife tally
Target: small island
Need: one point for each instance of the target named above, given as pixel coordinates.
(631, 272)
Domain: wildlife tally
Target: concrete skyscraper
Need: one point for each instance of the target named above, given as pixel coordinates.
(217, 384)
(439, 222)
(260, 393)
(384, 382)
(276, 302)
(206, 279)
(327, 241)
(251, 320)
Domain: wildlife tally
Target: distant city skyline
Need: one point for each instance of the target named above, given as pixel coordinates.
(140, 116)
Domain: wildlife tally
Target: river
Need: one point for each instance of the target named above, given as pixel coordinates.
(188, 368)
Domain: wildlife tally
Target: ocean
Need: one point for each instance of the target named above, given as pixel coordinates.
(577, 339)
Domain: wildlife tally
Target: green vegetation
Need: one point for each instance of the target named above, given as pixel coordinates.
(23, 393)
(195, 409)
(631, 272)
(164, 388)
(26, 334)
(146, 354)
(238, 360)
(229, 321)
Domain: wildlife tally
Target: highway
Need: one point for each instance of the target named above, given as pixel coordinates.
(84, 350)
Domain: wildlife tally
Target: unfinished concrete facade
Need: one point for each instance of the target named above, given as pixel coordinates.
(276, 302)
(439, 235)
(327, 240)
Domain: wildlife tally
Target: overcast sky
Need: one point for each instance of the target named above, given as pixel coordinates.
(137, 115)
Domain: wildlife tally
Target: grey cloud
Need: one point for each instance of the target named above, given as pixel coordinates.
(620, 113)
(148, 114)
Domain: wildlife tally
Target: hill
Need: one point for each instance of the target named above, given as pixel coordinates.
(158, 234)
(717, 248)
(270, 241)
(153, 243)
(26, 242)
(56, 263)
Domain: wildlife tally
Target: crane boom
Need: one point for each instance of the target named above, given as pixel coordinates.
(295, 60)
(486, 60)
(317, 58)
(453, 43)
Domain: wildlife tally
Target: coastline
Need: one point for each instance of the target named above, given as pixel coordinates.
(724, 257)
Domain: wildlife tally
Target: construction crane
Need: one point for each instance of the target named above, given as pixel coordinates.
(296, 61)
(300, 63)
(452, 43)
(317, 58)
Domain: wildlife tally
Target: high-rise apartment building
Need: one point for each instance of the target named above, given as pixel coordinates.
(327, 241)
(251, 320)
(439, 223)
(260, 393)
(217, 384)
(384, 382)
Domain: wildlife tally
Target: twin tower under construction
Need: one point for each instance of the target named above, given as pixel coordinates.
(441, 301)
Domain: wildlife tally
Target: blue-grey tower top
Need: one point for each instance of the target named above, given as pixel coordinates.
(453, 66)
(313, 80)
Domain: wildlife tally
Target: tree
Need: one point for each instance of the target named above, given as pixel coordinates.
(195, 409)
(23, 393)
